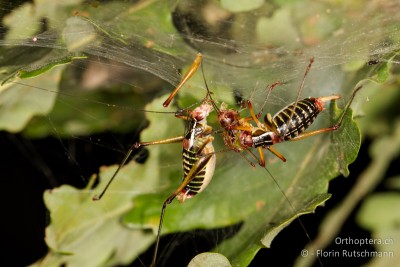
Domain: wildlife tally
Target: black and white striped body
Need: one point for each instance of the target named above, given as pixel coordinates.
(196, 146)
(203, 177)
(289, 122)
(296, 118)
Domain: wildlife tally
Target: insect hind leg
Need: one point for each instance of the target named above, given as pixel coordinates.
(192, 70)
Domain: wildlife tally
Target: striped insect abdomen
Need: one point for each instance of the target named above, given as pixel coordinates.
(189, 159)
(203, 176)
(293, 120)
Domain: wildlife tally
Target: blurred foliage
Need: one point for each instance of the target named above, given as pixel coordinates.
(85, 67)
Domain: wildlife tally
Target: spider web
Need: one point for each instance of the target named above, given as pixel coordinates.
(109, 59)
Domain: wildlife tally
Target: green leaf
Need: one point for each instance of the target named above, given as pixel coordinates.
(95, 109)
(26, 53)
(309, 208)
(285, 32)
(24, 20)
(80, 224)
(380, 215)
(19, 102)
(345, 155)
(29, 61)
(379, 211)
(79, 33)
(239, 6)
(383, 70)
(209, 259)
(24, 74)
